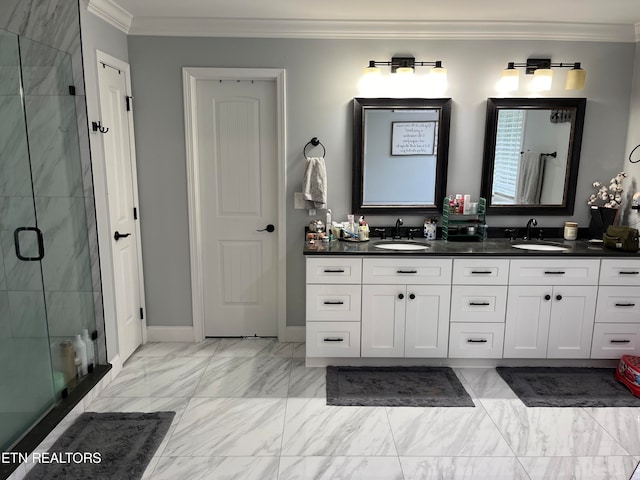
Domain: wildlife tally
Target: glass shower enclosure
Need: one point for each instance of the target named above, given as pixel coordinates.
(46, 286)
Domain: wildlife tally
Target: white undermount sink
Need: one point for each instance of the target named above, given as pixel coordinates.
(401, 246)
(541, 246)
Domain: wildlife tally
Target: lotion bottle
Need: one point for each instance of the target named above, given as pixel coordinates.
(91, 354)
(81, 352)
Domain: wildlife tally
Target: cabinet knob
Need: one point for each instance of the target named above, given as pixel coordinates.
(401, 296)
(412, 296)
(547, 297)
(558, 297)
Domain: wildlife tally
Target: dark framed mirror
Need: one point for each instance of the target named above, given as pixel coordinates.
(400, 154)
(532, 154)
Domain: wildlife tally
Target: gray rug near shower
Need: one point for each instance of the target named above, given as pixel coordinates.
(125, 443)
(567, 387)
(395, 387)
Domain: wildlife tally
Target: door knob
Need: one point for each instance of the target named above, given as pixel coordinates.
(547, 297)
(117, 236)
(558, 297)
(269, 228)
(401, 296)
(412, 296)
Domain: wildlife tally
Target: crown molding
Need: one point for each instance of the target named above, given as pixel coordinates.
(286, 28)
(111, 13)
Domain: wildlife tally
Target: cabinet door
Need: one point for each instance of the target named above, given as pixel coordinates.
(571, 327)
(383, 314)
(427, 321)
(527, 322)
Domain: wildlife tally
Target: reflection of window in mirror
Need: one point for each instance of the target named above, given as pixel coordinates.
(530, 157)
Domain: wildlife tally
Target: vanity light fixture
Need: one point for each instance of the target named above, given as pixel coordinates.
(541, 69)
(405, 66)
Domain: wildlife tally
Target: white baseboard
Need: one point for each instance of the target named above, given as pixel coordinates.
(170, 334)
(116, 366)
(296, 334)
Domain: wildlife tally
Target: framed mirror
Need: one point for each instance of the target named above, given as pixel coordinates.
(532, 154)
(400, 154)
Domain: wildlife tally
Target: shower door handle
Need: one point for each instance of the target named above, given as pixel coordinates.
(16, 240)
(117, 236)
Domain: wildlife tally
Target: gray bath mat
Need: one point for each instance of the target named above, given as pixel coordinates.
(105, 446)
(567, 387)
(395, 387)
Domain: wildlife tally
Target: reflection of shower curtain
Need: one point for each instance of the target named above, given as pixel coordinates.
(530, 175)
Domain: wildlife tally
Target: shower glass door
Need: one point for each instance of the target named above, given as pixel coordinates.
(46, 274)
(26, 381)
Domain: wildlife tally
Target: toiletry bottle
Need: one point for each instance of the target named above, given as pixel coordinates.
(91, 353)
(67, 361)
(327, 223)
(81, 353)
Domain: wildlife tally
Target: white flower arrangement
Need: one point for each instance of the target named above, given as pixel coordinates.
(608, 197)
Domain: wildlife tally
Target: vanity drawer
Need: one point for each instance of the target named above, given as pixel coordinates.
(406, 271)
(333, 339)
(547, 271)
(476, 340)
(620, 272)
(333, 302)
(476, 271)
(612, 340)
(486, 303)
(618, 305)
(334, 270)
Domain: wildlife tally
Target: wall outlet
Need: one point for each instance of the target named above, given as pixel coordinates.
(312, 212)
(299, 201)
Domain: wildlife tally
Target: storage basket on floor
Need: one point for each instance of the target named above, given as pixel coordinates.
(628, 373)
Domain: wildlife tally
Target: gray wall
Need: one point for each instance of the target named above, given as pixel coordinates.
(99, 35)
(632, 183)
(322, 78)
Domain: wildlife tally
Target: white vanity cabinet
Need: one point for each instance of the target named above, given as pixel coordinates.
(405, 307)
(333, 301)
(551, 308)
(617, 324)
(478, 305)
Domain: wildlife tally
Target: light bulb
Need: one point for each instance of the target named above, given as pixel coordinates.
(509, 79)
(542, 78)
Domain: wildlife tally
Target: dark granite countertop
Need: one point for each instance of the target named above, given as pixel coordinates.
(492, 247)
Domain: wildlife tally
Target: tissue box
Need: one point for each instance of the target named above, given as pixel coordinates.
(628, 373)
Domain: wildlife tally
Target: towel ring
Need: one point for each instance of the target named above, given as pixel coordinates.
(314, 142)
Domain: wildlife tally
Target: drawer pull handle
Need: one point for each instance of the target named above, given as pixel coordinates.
(479, 304)
(477, 340)
(406, 271)
(334, 302)
(625, 304)
(334, 270)
(333, 339)
(622, 272)
(620, 341)
(554, 273)
(481, 272)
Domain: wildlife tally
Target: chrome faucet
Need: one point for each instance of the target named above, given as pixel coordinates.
(396, 231)
(532, 221)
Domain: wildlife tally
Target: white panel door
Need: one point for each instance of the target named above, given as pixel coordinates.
(117, 143)
(237, 143)
(527, 322)
(427, 321)
(571, 326)
(383, 318)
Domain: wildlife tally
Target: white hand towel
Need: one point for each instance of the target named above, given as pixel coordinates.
(314, 183)
(530, 173)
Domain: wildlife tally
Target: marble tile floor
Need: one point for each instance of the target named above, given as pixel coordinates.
(248, 409)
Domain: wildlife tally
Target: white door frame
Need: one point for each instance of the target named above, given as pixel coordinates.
(190, 75)
(102, 210)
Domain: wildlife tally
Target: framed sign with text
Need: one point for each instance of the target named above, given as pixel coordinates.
(413, 138)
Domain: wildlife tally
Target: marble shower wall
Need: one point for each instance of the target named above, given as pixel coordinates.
(58, 147)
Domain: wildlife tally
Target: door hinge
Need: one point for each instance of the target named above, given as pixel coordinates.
(128, 99)
(141, 313)
(135, 213)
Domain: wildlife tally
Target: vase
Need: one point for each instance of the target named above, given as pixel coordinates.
(601, 218)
